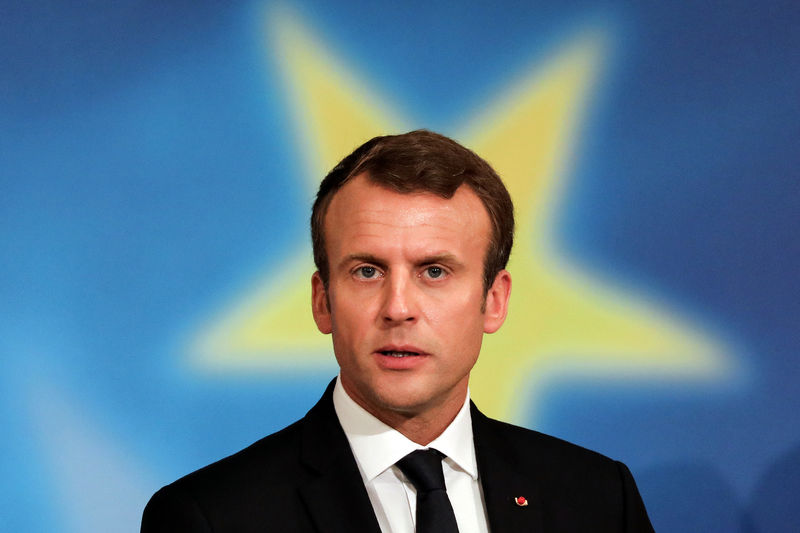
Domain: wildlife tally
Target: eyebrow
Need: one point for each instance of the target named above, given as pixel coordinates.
(446, 258)
(366, 258)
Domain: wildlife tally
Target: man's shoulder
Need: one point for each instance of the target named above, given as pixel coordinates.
(256, 481)
(523, 437)
(564, 476)
(285, 457)
(264, 459)
(545, 453)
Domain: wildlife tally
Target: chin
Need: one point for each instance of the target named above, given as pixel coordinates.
(405, 401)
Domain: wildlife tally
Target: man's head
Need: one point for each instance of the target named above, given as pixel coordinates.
(404, 239)
(421, 161)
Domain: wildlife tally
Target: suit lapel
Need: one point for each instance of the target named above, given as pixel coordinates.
(336, 497)
(502, 482)
(337, 500)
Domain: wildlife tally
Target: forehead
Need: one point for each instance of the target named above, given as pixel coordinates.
(364, 213)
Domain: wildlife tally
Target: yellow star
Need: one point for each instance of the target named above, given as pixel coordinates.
(562, 321)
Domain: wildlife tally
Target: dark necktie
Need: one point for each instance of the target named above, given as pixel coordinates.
(423, 468)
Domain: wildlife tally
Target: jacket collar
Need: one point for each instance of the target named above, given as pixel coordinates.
(502, 481)
(336, 497)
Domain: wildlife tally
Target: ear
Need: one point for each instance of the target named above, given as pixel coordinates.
(496, 306)
(319, 304)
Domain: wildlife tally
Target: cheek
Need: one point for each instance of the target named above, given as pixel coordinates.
(463, 302)
(458, 318)
(350, 320)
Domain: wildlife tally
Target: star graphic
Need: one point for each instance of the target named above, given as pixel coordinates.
(562, 321)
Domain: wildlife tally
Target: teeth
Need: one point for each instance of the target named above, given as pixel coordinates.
(400, 354)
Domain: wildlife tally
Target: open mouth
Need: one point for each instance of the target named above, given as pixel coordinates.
(396, 354)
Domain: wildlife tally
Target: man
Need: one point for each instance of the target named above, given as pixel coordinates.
(411, 236)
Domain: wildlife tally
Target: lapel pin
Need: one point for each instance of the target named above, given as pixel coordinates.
(521, 501)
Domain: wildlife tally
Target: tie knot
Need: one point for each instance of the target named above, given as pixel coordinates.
(423, 468)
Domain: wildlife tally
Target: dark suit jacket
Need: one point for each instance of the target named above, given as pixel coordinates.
(305, 479)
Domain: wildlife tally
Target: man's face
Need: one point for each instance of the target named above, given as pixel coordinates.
(406, 295)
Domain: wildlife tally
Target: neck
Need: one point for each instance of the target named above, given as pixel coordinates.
(423, 428)
(420, 424)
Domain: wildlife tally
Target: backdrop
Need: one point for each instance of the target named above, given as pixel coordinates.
(158, 163)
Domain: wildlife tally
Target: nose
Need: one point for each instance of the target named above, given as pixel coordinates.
(399, 304)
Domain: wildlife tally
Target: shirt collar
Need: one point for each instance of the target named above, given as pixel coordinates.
(377, 446)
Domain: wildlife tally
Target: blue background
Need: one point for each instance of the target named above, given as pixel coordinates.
(148, 175)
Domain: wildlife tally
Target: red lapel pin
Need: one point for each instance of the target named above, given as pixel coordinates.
(521, 501)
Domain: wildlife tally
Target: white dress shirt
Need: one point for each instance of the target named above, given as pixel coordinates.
(377, 447)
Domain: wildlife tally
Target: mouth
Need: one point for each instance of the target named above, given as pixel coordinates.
(399, 354)
(400, 351)
(400, 357)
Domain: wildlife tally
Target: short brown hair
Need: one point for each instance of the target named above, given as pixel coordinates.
(421, 161)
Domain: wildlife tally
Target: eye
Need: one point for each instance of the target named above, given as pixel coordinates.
(366, 272)
(434, 272)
